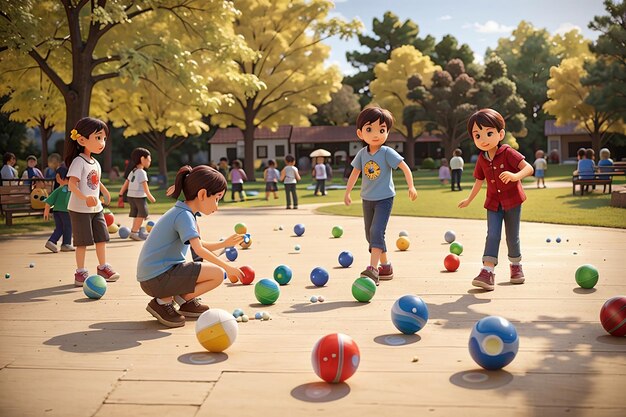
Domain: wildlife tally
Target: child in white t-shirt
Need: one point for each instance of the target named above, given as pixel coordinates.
(136, 188)
(88, 226)
(319, 173)
(541, 166)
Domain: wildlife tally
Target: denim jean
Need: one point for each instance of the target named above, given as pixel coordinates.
(63, 227)
(494, 232)
(456, 178)
(376, 215)
(290, 191)
(320, 186)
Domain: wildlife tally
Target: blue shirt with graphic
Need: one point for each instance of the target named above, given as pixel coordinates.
(376, 178)
(168, 242)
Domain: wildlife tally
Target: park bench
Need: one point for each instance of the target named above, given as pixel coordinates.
(15, 197)
(604, 178)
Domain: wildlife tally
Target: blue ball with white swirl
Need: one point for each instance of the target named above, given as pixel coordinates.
(493, 343)
(409, 314)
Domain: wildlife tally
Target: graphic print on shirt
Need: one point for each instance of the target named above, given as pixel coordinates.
(92, 179)
(371, 170)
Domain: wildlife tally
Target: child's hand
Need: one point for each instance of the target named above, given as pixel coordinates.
(464, 203)
(152, 199)
(347, 200)
(233, 240)
(234, 274)
(46, 215)
(507, 177)
(91, 201)
(412, 193)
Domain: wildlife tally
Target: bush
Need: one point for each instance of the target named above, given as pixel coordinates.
(428, 163)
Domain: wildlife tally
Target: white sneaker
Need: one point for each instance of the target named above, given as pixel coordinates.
(135, 236)
(67, 248)
(51, 247)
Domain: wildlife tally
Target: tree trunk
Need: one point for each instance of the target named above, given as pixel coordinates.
(248, 140)
(162, 153)
(45, 136)
(108, 156)
(596, 142)
(409, 148)
(77, 102)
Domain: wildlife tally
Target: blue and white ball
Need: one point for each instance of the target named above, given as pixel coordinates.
(231, 253)
(94, 287)
(493, 343)
(409, 314)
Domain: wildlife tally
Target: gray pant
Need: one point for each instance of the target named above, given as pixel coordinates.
(376, 216)
(494, 233)
(290, 191)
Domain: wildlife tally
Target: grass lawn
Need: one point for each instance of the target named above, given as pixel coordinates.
(550, 205)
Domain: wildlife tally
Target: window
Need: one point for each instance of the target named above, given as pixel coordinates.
(261, 151)
(280, 150)
(572, 148)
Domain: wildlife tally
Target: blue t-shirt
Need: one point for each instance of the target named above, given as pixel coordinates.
(167, 243)
(586, 169)
(376, 181)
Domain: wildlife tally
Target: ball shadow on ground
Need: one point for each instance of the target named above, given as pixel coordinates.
(397, 339)
(40, 294)
(202, 358)
(320, 392)
(481, 379)
(109, 336)
(325, 306)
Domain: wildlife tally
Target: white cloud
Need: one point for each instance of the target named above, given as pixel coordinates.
(445, 17)
(489, 26)
(566, 27)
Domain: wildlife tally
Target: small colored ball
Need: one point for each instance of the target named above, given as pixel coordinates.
(319, 276)
(313, 299)
(265, 315)
(94, 287)
(493, 342)
(283, 274)
(246, 238)
(298, 229)
(246, 244)
(337, 231)
(346, 258)
(216, 330)
(320, 298)
(452, 262)
(113, 228)
(124, 232)
(558, 240)
(149, 228)
(587, 276)
(403, 233)
(150, 223)
(245, 318)
(409, 314)
(335, 357)
(241, 229)
(238, 319)
(237, 312)
(450, 236)
(297, 248)
(109, 218)
(280, 227)
(456, 248)
(31, 265)
(403, 243)
(7, 275)
(548, 240)
(231, 253)
(266, 291)
(258, 315)
(613, 316)
(248, 275)
(363, 289)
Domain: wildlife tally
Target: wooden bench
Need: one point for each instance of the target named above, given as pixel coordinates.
(604, 178)
(15, 197)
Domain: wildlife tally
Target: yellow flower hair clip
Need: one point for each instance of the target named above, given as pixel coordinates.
(74, 134)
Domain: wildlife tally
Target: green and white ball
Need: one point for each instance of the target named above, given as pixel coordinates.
(94, 287)
(267, 291)
(363, 289)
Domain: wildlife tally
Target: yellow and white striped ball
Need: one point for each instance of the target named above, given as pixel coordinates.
(216, 330)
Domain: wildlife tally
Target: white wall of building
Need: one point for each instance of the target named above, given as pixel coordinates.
(219, 150)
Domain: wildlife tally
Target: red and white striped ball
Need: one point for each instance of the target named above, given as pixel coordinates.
(335, 357)
(613, 316)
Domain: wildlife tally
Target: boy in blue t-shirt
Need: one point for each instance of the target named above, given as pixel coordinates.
(377, 190)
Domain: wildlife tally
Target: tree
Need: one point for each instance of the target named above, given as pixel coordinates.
(448, 48)
(606, 77)
(568, 102)
(342, 109)
(12, 135)
(389, 34)
(389, 90)
(287, 37)
(78, 44)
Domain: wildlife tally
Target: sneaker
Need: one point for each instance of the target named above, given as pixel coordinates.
(67, 248)
(51, 247)
(372, 273)
(166, 314)
(484, 280)
(80, 277)
(517, 275)
(108, 273)
(385, 272)
(192, 308)
(288, 208)
(135, 236)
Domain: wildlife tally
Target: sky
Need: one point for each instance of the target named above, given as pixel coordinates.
(479, 23)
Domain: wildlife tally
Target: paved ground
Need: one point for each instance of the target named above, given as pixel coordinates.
(64, 355)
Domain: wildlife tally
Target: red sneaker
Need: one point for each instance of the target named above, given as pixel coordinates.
(484, 280)
(108, 273)
(517, 275)
(385, 272)
(80, 277)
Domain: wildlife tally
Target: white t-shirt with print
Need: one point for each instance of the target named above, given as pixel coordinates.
(88, 172)
(136, 178)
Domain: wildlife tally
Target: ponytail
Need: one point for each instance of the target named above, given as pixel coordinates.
(135, 159)
(191, 180)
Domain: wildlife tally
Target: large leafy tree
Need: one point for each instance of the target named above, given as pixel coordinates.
(448, 48)
(569, 102)
(606, 76)
(389, 90)
(287, 37)
(388, 34)
(79, 44)
(342, 109)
